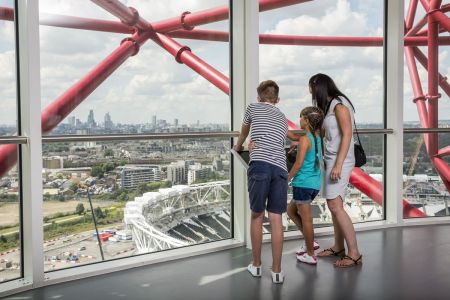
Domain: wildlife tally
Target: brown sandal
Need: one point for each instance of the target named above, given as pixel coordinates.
(333, 253)
(354, 262)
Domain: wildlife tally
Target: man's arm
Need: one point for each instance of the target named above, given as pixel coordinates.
(245, 130)
(293, 136)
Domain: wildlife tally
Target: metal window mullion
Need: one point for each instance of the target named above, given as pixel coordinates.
(245, 75)
(394, 112)
(31, 153)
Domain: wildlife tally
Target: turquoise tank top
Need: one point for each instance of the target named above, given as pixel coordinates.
(310, 176)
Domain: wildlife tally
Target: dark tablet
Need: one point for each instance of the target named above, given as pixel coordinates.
(244, 157)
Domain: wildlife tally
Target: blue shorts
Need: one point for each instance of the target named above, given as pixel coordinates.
(303, 195)
(267, 182)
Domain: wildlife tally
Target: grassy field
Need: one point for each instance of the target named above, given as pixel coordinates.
(9, 212)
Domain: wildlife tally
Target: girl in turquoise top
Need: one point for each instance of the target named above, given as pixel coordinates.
(306, 176)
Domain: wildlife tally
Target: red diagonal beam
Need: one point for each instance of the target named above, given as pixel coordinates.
(181, 53)
(443, 20)
(417, 27)
(189, 20)
(444, 152)
(443, 83)
(85, 24)
(442, 167)
(184, 55)
(425, 4)
(6, 13)
(127, 15)
(411, 14)
(419, 97)
(54, 113)
(374, 190)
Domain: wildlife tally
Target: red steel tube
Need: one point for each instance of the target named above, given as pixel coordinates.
(444, 152)
(67, 102)
(294, 40)
(417, 27)
(425, 4)
(198, 34)
(411, 14)
(443, 20)
(435, 4)
(189, 20)
(442, 167)
(85, 24)
(373, 189)
(184, 55)
(433, 71)
(127, 15)
(6, 13)
(8, 158)
(443, 83)
(419, 97)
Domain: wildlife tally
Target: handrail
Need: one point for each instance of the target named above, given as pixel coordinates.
(129, 137)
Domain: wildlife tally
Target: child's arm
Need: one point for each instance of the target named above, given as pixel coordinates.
(304, 144)
(245, 130)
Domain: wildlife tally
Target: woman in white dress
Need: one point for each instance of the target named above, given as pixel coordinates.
(339, 161)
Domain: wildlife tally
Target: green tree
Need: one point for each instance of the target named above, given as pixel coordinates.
(108, 152)
(98, 213)
(79, 210)
(97, 171)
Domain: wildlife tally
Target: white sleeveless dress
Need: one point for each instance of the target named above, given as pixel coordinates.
(331, 189)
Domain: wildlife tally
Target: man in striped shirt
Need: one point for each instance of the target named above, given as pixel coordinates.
(267, 172)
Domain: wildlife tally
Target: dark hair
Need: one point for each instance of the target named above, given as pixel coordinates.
(322, 87)
(268, 91)
(315, 117)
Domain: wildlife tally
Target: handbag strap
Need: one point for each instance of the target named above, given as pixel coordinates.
(356, 129)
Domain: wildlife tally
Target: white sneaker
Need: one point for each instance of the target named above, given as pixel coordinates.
(307, 259)
(255, 271)
(302, 250)
(277, 277)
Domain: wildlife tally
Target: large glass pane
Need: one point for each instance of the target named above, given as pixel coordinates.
(10, 229)
(343, 39)
(301, 40)
(423, 188)
(416, 66)
(8, 86)
(149, 92)
(147, 196)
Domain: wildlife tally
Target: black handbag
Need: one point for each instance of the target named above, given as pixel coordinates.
(360, 155)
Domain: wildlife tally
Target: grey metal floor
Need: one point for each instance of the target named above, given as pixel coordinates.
(399, 263)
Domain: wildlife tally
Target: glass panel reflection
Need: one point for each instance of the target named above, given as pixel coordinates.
(147, 196)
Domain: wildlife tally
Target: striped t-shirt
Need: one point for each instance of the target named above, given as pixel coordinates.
(268, 128)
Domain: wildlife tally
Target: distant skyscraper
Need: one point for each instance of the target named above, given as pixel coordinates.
(154, 121)
(175, 122)
(71, 121)
(108, 122)
(91, 120)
